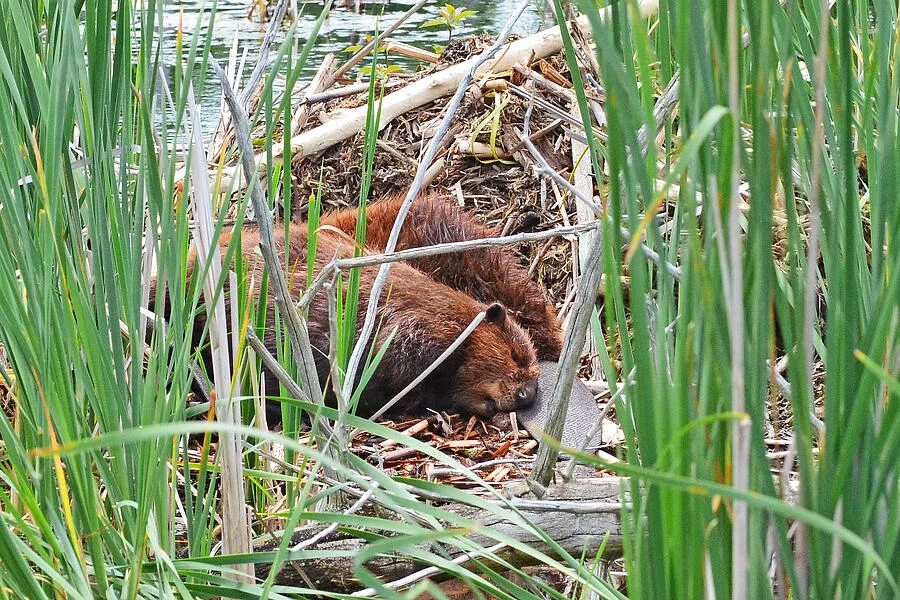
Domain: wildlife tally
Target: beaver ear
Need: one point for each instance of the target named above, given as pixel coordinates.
(495, 313)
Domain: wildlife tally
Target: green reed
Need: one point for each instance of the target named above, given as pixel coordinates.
(695, 352)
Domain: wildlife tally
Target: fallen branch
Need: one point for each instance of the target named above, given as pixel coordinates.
(578, 516)
(235, 521)
(369, 260)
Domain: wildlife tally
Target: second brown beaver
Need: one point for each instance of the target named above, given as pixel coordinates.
(494, 370)
(486, 274)
(427, 304)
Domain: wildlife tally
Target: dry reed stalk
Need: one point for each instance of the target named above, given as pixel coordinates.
(297, 331)
(236, 525)
(316, 86)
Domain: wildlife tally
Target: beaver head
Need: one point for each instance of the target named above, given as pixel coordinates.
(498, 371)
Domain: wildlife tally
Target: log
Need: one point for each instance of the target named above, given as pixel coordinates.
(578, 515)
(348, 123)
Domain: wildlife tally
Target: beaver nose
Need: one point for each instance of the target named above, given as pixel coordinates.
(527, 395)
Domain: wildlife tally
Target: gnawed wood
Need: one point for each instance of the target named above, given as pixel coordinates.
(316, 86)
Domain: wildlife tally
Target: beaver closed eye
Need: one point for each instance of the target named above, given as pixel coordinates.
(498, 368)
(523, 398)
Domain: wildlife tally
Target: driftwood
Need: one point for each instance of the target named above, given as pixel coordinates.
(348, 123)
(577, 515)
(316, 86)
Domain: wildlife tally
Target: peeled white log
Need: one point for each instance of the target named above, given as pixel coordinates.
(348, 123)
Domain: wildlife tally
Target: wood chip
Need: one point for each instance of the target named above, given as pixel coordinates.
(410, 431)
(499, 474)
(463, 444)
(470, 427)
(528, 447)
(399, 454)
(503, 449)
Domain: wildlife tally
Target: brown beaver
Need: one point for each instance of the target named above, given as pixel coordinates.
(486, 274)
(494, 370)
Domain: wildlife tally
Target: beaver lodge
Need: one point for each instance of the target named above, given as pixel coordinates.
(483, 164)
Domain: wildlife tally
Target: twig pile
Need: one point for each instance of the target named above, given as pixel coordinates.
(498, 453)
(482, 162)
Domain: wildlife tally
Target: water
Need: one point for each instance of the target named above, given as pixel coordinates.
(342, 28)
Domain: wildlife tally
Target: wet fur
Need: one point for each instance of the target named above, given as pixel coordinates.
(495, 370)
(486, 274)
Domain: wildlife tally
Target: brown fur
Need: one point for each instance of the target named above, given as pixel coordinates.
(495, 370)
(486, 274)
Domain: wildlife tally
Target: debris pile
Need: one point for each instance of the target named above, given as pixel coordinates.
(482, 162)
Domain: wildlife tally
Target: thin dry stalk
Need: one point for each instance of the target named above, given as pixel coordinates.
(236, 525)
(583, 180)
(812, 259)
(262, 63)
(296, 326)
(740, 561)
(462, 246)
(546, 169)
(315, 86)
(333, 316)
(365, 50)
(299, 335)
(274, 366)
(360, 502)
(576, 330)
